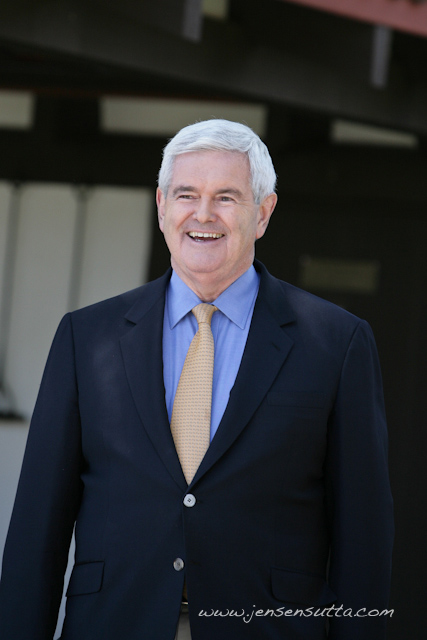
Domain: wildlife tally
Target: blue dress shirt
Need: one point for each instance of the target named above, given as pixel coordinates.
(230, 328)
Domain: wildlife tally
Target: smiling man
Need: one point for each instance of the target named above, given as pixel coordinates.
(210, 219)
(217, 437)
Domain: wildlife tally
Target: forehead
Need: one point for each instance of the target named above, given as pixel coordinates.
(228, 167)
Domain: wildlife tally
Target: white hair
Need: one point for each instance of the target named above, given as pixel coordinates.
(222, 135)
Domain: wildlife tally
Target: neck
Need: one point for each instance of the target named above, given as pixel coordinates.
(206, 291)
(205, 286)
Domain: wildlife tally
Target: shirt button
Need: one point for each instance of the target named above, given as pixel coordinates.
(189, 500)
(178, 564)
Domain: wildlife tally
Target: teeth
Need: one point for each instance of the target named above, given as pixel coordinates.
(199, 234)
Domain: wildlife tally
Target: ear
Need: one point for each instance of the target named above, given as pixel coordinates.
(266, 208)
(160, 201)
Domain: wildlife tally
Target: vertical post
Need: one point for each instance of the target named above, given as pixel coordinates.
(381, 54)
(6, 292)
(82, 195)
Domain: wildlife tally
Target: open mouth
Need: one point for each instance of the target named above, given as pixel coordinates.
(199, 236)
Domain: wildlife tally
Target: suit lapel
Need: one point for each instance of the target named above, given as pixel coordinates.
(142, 354)
(266, 350)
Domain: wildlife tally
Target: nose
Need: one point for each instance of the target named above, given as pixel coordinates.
(204, 212)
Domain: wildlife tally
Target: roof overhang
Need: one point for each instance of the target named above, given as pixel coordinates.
(402, 15)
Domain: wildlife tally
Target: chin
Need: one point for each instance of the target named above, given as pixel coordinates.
(204, 266)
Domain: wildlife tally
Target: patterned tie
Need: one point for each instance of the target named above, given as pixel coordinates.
(191, 413)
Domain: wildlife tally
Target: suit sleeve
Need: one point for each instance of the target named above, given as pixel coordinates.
(46, 504)
(359, 503)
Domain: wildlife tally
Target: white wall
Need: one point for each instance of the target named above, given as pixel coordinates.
(73, 247)
(5, 212)
(116, 243)
(46, 219)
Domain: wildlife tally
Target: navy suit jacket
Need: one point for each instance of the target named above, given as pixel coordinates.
(292, 506)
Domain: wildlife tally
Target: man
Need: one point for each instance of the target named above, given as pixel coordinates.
(280, 527)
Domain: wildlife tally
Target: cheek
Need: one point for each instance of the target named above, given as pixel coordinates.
(247, 233)
(174, 219)
(168, 225)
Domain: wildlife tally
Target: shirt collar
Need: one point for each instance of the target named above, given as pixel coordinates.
(236, 302)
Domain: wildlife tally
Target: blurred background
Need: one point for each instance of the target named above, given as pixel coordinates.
(90, 92)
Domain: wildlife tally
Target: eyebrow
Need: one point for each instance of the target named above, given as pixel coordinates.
(182, 188)
(225, 190)
(233, 192)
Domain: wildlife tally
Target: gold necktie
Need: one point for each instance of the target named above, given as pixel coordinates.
(191, 413)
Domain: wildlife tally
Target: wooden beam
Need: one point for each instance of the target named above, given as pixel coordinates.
(179, 17)
(226, 60)
(182, 18)
(402, 15)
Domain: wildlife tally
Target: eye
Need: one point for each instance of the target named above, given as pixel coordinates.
(226, 199)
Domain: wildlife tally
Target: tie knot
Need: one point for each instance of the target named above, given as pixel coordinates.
(204, 312)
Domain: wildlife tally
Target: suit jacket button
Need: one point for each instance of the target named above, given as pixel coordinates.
(189, 500)
(178, 564)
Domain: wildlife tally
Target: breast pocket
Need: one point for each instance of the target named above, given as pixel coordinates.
(302, 400)
(299, 420)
